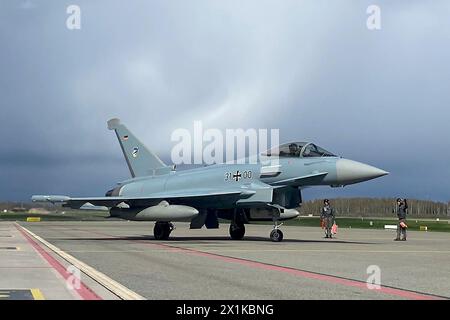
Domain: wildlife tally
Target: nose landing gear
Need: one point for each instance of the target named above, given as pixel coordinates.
(276, 235)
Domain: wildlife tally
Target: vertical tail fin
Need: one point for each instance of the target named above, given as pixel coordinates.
(140, 160)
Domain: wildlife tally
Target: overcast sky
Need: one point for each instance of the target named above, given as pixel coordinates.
(310, 68)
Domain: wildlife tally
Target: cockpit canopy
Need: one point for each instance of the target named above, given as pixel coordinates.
(299, 150)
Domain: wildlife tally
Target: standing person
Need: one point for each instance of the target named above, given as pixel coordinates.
(402, 210)
(327, 216)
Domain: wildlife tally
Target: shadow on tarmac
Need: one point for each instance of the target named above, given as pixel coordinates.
(205, 240)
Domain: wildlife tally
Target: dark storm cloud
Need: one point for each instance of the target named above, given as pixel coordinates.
(310, 68)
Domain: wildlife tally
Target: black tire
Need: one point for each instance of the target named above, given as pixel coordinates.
(162, 230)
(237, 231)
(276, 235)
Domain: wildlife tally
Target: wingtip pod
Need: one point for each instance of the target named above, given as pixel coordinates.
(113, 123)
(52, 199)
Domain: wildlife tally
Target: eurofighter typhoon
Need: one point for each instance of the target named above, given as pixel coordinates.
(239, 193)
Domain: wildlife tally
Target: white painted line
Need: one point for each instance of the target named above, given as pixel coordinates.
(110, 284)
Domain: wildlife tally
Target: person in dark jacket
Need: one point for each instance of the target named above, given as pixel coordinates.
(327, 216)
(402, 210)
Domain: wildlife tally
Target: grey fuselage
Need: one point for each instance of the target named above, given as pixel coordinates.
(228, 176)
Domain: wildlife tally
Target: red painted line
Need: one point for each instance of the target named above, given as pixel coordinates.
(83, 291)
(311, 275)
(300, 273)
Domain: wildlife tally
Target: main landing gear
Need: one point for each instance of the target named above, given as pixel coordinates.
(276, 235)
(237, 230)
(162, 230)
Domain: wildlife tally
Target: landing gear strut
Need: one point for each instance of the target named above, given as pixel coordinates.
(276, 235)
(237, 230)
(162, 230)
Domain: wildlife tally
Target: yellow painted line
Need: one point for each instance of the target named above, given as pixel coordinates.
(110, 284)
(4, 296)
(37, 294)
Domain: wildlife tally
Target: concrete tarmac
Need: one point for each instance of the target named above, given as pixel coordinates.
(205, 264)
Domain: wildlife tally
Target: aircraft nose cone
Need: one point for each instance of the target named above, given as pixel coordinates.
(349, 171)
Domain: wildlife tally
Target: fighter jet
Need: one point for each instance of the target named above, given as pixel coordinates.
(239, 193)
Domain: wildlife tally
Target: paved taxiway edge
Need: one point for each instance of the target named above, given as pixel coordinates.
(116, 288)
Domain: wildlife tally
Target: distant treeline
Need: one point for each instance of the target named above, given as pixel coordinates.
(350, 207)
(24, 206)
(374, 207)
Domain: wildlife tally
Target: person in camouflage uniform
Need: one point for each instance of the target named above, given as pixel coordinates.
(327, 216)
(402, 210)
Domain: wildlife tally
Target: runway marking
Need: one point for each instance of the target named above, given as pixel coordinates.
(404, 293)
(408, 294)
(261, 250)
(320, 250)
(390, 290)
(108, 283)
(84, 292)
(21, 294)
(37, 294)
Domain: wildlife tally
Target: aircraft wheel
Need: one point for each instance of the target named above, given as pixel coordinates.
(276, 235)
(237, 231)
(162, 230)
